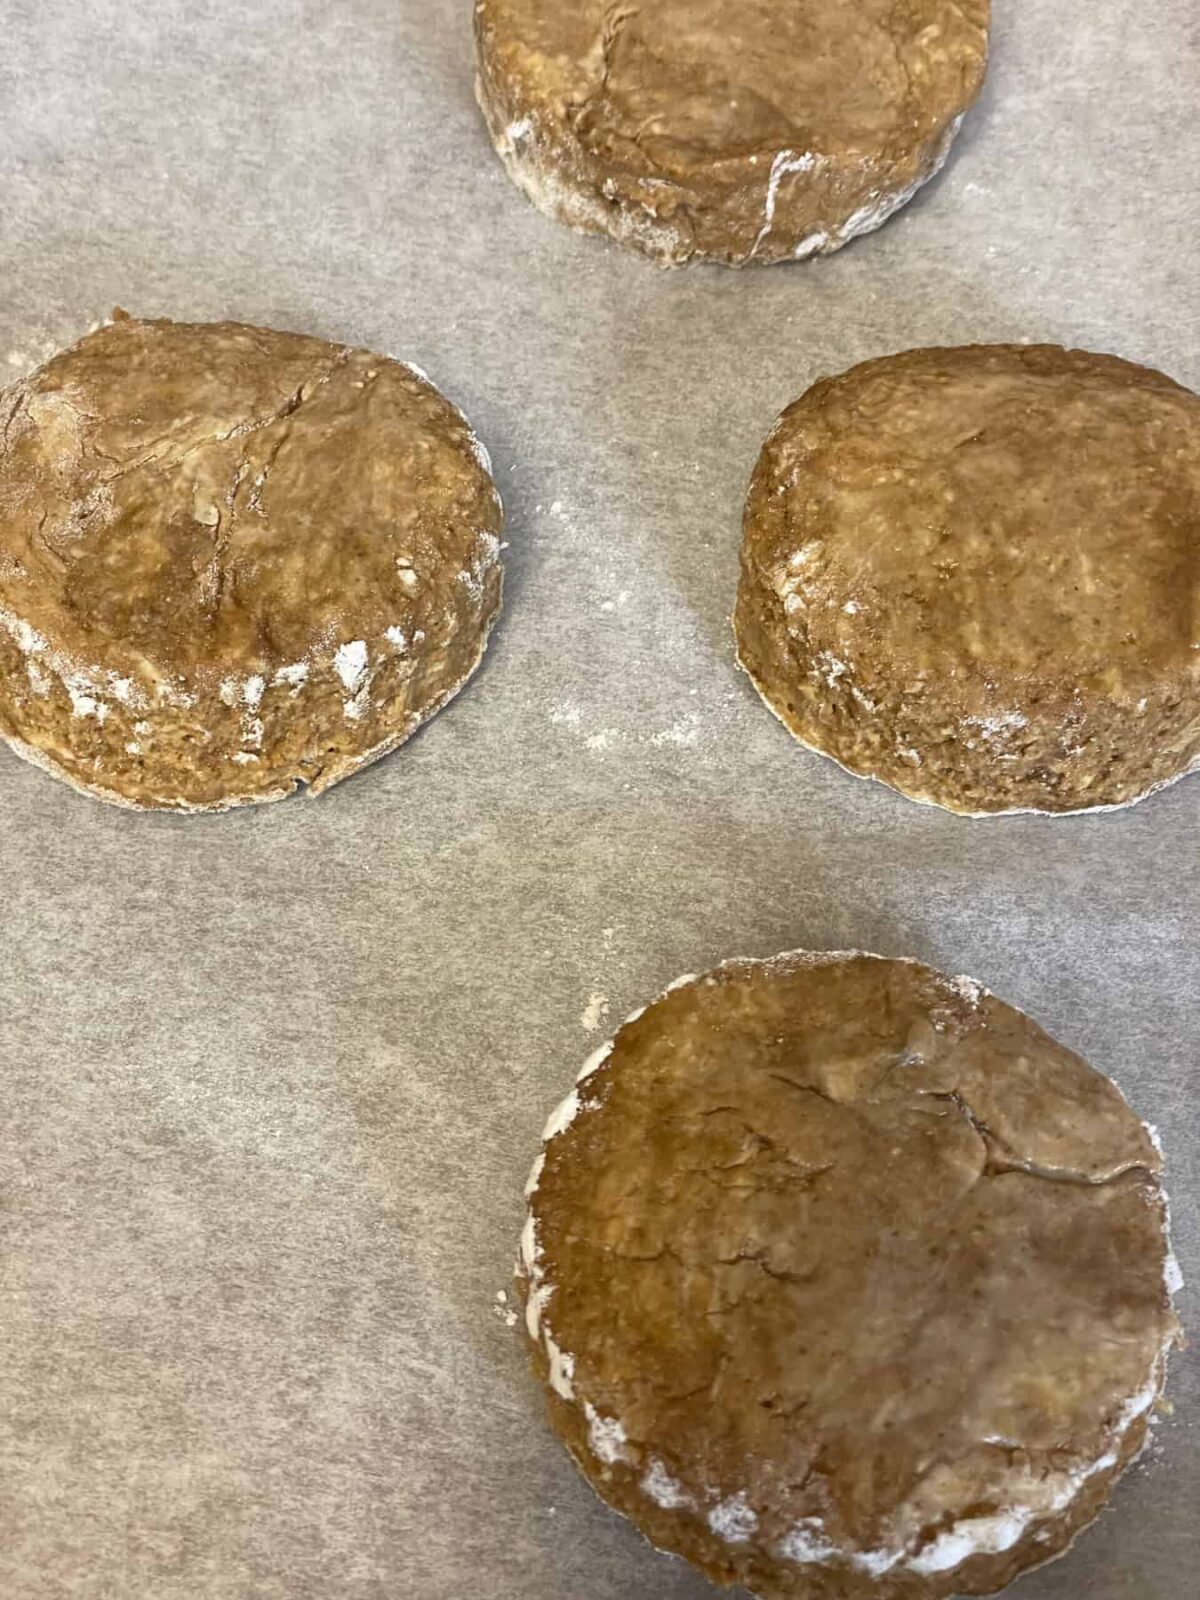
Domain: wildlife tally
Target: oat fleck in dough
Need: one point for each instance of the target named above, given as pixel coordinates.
(973, 574)
(233, 561)
(727, 130)
(846, 1282)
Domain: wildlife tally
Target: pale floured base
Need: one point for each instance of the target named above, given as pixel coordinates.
(666, 1490)
(557, 197)
(943, 805)
(558, 193)
(344, 769)
(606, 1435)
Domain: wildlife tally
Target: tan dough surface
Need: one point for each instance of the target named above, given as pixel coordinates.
(973, 573)
(848, 1282)
(233, 561)
(727, 130)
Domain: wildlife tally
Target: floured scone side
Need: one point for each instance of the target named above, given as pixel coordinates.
(729, 132)
(846, 1281)
(971, 573)
(233, 561)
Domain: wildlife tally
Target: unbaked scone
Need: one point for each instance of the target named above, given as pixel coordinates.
(846, 1282)
(726, 130)
(975, 574)
(233, 561)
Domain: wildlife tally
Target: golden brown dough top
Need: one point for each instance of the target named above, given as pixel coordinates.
(839, 1238)
(175, 498)
(675, 85)
(1023, 511)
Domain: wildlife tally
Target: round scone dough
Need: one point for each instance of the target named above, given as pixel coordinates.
(727, 130)
(975, 574)
(233, 561)
(846, 1282)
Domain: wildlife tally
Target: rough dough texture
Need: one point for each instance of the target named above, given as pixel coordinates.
(846, 1282)
(727, 130)
(975, 574)
(233, 561)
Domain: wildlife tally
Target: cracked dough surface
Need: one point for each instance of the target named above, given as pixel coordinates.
(847, 1281)
(975, 574)
(727, 130)
(233, 561)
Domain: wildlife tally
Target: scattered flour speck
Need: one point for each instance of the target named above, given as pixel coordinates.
(733, 1520)
(350, 663)
(594, 1012)
(683, 732)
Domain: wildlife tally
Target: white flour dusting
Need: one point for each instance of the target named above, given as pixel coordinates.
(294, 676)
(535, 1175)
(733, 1520)
(598, 1057)
(350, 663)
(969, 988)
(811, 246)
(785, 163)
(998, 725)
(562, 1369)
(561, 1117)
(594, 1012)
(658, 1485)
(830, 667)
(685, 731)
(566, 715)
(90, 689)
(606, 1436)
(805, 1543)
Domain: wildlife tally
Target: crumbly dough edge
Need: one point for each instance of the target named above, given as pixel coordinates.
(942, 805)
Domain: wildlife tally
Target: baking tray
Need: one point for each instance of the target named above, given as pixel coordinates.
(272, 1081)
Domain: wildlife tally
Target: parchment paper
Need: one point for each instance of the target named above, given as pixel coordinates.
(272, 1082)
